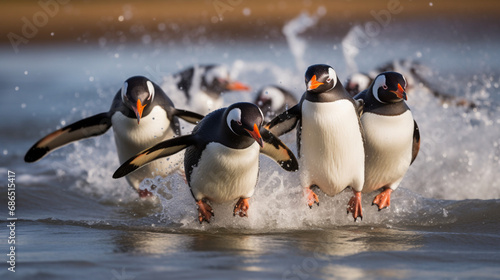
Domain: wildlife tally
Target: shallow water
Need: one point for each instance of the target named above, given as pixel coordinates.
(76, 221)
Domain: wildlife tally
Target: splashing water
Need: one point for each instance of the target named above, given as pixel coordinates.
(351, 45)
(294, 28)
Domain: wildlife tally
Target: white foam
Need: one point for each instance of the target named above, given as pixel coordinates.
(294, 28)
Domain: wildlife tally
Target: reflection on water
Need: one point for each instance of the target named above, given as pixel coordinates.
(298, 253)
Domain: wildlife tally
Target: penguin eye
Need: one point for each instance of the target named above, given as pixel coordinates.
(328, 80)
(384, 86)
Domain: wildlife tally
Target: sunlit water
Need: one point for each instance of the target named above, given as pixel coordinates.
(75, 219)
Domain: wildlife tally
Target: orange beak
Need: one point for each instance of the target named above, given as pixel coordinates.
(256, 135)
(400, 92)
(313, 84)
(138, 110)
(237, 86)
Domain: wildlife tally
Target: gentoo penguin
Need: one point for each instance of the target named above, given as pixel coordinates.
(274, 100)
(222, 157)
(329, 137)
(392, 137)
(357, 82)
(414, 71)
(141, 115)
(203, 86)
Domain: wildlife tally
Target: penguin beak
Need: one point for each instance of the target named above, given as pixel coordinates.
(237, 86)
(400, 93)
(138, 110)
(256, 135)
(313, 83)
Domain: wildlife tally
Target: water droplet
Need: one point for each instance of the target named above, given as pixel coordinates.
(121, 18)
(247, 11)
(23, 105)
(16, 88)
(26, 72)
(5, 152)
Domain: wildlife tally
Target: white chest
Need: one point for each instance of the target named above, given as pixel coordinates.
(388, 147)
(332, 154)
(132, 138)
(224, 174)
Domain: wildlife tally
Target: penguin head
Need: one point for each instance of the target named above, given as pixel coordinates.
(389, 87)
(357, 82)
(320, 78)
(216, 79)
(271, 97)
(245, 119)
(137, 94)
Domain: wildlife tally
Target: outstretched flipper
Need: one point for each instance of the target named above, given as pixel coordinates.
(91, 126)
(274, 148)
(285, 121)
(162, 149)
(416, 142)
(190, 117)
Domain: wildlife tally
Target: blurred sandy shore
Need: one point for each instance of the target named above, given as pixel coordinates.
(56, 21)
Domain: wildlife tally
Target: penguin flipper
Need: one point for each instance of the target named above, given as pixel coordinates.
(91, 126)
(278, 151)
(285, 121)
(190, 117)
(416, 142)
(162, 149)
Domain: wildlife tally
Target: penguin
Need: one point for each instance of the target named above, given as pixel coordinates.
(329, 137)
(222, 157)
(359, 82)
(392, 136)
(273, 100)
(141, 115)
(202, 86)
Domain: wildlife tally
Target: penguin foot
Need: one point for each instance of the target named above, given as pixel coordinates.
(241, 207)
(144, 193)
(311, 197)
(354, 206)
(383, 199)
(205, 212)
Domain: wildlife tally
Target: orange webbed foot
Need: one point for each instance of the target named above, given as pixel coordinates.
(241, 207)
(205, 212)
(354, 206)
(311, 197)
(383, 199)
